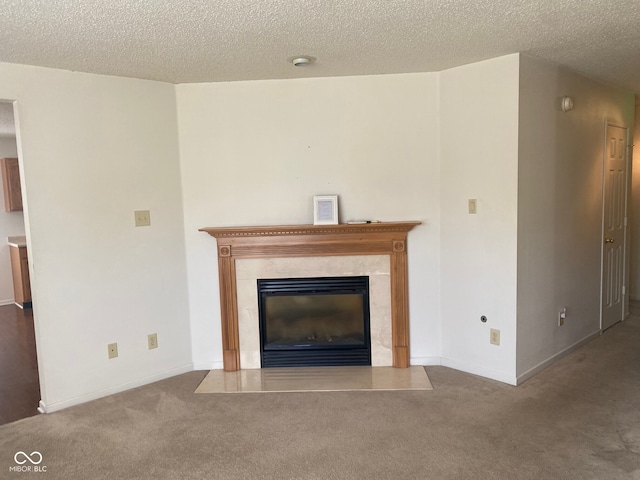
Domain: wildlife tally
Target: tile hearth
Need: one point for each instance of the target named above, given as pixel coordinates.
(315, 379)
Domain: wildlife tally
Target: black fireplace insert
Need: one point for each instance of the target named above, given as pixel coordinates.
(321, 321)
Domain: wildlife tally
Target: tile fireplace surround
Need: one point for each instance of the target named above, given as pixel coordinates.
(342, 245)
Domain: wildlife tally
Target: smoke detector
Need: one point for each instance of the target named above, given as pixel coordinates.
(567, 104)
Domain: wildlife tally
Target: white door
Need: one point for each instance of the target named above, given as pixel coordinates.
(614, 226)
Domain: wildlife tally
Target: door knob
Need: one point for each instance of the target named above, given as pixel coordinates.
(609, 240)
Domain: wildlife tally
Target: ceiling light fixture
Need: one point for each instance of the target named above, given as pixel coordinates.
(302, 61)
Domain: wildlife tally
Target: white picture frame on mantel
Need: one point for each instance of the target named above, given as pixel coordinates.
(325, 209)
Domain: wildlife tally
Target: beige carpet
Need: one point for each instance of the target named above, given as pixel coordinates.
(577, 420)
(315, 379)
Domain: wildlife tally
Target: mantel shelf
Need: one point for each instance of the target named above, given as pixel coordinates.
(342, 228)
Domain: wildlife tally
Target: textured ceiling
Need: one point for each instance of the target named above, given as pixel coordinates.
(183, 41)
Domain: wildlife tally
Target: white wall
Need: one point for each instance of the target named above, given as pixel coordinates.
(255, 153)
(94, 149)
(394, 147)
(479, 160)
(11, 224)
(560, 208)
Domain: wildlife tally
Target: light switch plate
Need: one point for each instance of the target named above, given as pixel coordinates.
(143, 218)
(473, 206)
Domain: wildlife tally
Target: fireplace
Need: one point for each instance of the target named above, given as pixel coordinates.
(321, 321)
(309, 243)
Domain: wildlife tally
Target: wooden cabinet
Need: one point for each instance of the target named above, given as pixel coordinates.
(21, 282)
(11, 184)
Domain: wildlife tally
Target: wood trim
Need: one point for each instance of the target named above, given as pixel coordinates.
(389, 238)
(11, 184)
(20, 274)
(229, 310)
(399, 305)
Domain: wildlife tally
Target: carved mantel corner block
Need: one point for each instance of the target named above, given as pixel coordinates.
(398, 245)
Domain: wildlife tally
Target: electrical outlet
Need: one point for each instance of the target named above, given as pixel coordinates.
(562, 315)
(142, 217)
(152, 341)
(112, 350)
(473, 206)
(494, 337)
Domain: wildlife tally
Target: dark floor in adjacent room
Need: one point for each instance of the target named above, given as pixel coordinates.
(19, 384)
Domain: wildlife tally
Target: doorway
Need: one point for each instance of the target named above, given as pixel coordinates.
(614, 226)
(19, 389)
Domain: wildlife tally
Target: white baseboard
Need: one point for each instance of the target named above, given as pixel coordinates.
(54, 407)
(6, 302)
(554, 358)
(481, 371)
(216, 365)
(428, 361)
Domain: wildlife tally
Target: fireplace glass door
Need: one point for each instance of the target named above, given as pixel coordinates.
(314, 321)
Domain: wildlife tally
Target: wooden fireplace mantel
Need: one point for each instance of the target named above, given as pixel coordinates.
(385, 238)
